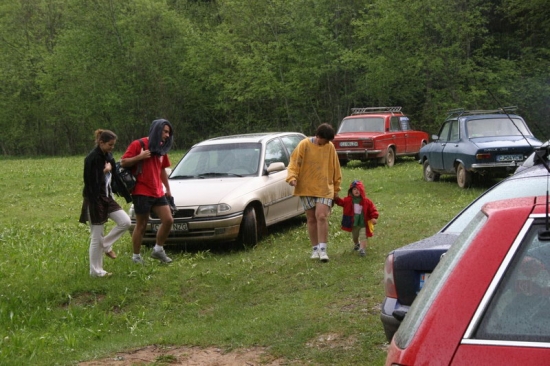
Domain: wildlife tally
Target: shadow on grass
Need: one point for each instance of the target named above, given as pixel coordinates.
(236, 246)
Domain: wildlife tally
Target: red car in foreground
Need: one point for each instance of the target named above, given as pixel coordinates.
(488, 300)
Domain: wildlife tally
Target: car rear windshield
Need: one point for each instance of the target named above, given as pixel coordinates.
(496, 127)
(510, 188)
(371, 124)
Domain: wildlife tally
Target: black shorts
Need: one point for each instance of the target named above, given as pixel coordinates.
(144, 204)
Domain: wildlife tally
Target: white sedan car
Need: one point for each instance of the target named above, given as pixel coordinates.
(231, 188)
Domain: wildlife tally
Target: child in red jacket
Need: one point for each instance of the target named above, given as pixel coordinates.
(359, 215)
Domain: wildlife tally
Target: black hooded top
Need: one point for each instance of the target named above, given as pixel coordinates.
(156, 146)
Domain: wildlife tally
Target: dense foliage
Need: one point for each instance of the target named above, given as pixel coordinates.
(217, 67)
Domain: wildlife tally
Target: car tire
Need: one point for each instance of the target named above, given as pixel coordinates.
(390, 157)
(429, 174)
(249, 228)
(463, 177)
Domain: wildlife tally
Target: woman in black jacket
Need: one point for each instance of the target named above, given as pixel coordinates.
(99, 205)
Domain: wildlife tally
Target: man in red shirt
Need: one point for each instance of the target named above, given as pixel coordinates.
(149, 194)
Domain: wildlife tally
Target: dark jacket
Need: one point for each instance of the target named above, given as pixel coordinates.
(94, 190)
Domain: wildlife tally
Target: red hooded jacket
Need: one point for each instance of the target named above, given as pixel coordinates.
(369, 209)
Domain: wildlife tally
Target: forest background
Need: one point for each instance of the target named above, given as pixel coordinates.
(214, 67)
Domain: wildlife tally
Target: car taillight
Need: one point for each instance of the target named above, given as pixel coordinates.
(482, 156)
(368, 144)
(389, 283)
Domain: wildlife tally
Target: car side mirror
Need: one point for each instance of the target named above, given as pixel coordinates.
(435, 137)
(275, 167)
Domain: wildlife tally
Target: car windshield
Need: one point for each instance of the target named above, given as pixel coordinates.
(510, 188)
(496, 127)
(372, 124)
(213, 161)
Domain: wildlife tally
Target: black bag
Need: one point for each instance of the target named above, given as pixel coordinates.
(128, 177)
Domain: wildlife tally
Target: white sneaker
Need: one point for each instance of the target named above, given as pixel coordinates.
(161, 256)
(323, 256)
(315, 254)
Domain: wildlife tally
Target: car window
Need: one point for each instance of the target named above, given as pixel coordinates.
(405, 123)
(510, 188)
(291, 141)
(455, 136)
(519, 309)
(496, 127)
(439, 276)
(275, 152)
(444, 132)
(395, 124)
(242, 159)
(371, 124)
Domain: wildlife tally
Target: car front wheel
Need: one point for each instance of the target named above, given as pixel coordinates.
(249, 228)
(429, 174)
(463, 177)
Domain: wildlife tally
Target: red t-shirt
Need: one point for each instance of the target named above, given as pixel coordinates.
(148, 182)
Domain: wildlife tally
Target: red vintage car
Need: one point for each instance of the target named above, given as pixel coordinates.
(488, 300)
(377, 133)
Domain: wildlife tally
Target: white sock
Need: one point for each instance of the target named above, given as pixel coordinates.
(323, 246)
(158, 248)
(315, 248)
(136, 256)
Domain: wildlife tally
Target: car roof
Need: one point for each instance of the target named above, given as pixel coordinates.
(454, 114)
(246, 138)
(375, 112)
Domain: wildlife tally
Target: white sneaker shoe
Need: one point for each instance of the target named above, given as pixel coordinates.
(315, 254)
(323, 256)
(161, 256)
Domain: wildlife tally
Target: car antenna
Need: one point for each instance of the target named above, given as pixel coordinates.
(510, 118)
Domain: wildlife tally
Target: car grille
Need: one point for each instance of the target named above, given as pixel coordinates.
(180, 214)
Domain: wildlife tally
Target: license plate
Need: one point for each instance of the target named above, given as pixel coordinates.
(179, 226)
(346, 144)
(509, 157)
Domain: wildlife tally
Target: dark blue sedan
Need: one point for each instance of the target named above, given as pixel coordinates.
(491, 143)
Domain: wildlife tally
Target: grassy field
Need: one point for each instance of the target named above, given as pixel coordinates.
(272, 295)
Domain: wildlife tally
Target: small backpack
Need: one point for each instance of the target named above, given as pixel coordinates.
(128, 177)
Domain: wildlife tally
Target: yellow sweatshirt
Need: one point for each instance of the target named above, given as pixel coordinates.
(316, 170)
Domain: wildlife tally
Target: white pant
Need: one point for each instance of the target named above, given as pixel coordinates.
(100, 244)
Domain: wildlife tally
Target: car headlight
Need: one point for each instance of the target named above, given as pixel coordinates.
(213, 210)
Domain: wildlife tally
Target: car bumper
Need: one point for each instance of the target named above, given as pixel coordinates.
(198, 230)
(390, 323)
(358, 154)
(505, 165)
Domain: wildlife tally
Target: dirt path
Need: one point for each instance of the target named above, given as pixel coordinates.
(189, 356)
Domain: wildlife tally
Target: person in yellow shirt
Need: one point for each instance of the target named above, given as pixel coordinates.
(314, 172)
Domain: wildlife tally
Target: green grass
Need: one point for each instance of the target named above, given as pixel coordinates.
(53, 313)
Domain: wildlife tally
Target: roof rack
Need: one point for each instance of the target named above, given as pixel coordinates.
(464, 112)
(375, 110)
